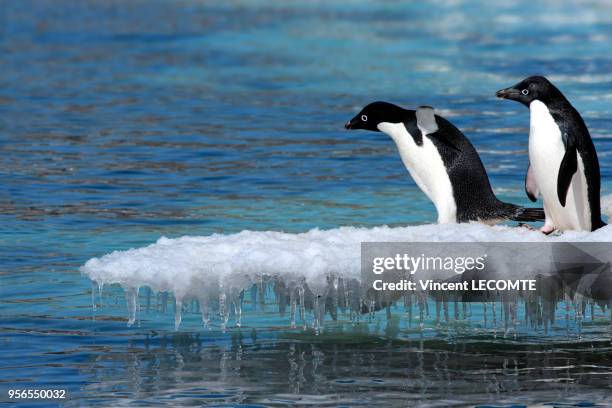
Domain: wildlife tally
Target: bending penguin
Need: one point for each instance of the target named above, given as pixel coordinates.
(563, 162)
(443, 163)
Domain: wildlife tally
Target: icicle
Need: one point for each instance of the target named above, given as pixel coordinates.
(531, 314)
(93, 298)
(484, 313)
(131, 295)
(422, 304)
(445, 309)
(408, 306)
(302, 306)
(222, 311)
(354, 300)
(178, 310)
(456, 309)
(254, 297)
(148, 303)
(280, 295)
(505, 314)
(293, 302)
(100, 288)
(315, 314)
(319, 302)
(342, 296)
(579, 315)
(204, 310)
(238, 309)
(262, 293)
(540, 308)
(567, 302)
(321, 313)
(333, 288)
(371, 306)
(164, 302)
(137, 309)
(515, 314)
(494, 314)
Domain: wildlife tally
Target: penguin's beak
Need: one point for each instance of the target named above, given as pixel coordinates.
(348, 125)
(508, 93)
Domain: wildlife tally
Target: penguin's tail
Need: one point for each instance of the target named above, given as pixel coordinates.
(518, 213)
(599, 224)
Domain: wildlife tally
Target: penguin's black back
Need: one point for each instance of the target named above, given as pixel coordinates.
(472, 191)
(574, 131)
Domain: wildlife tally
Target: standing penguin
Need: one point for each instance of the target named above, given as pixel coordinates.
(443, 163)
(563, 161)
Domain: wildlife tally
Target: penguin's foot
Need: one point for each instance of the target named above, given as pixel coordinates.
(529, 227)
(547, 229)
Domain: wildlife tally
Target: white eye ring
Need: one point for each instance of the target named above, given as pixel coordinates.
(525, 91)
(364, 118)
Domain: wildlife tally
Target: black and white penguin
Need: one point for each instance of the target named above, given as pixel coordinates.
(443, 163)
(563, 162)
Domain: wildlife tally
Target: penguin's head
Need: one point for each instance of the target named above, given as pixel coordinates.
(375, 113)
(529, 90)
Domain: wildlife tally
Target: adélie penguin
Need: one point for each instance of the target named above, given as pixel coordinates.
(443, 163)
(563, 165)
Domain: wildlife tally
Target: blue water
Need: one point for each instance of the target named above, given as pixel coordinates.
(121, 122)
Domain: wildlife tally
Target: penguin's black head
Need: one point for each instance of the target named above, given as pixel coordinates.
(375, 113)
(529, 90)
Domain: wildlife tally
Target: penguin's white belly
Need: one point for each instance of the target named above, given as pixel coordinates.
(546, 151)
(426, 167)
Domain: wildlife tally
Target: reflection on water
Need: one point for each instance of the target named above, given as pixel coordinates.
(247, 367)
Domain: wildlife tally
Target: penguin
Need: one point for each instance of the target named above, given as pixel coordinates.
(563, 165)
(443, 163)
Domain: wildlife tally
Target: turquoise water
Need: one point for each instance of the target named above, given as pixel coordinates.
(121, 122)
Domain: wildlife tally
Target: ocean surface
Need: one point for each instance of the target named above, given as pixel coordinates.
(125, 121)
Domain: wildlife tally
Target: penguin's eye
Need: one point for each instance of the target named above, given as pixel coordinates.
(364, 118)
(525, 92)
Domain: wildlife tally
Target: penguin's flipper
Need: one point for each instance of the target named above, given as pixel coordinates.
(569, 166)
(531, 187)
(426, 120)
(414, 131)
